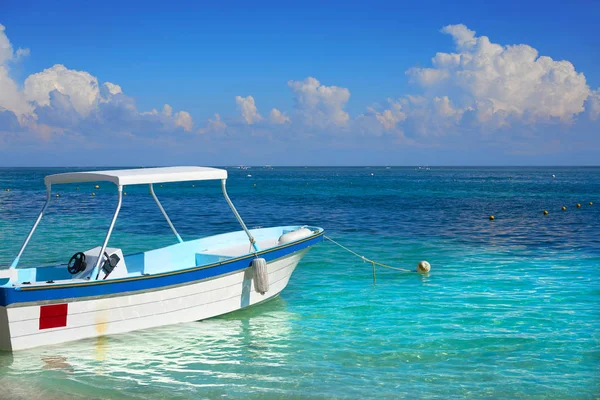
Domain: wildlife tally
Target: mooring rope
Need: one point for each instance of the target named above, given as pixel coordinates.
(365, 259)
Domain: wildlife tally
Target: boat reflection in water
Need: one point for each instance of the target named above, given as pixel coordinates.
(212, 353)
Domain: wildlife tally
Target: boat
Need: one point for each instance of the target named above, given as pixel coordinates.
(101, 291)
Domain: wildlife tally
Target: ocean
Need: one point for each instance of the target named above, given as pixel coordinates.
(510, 309)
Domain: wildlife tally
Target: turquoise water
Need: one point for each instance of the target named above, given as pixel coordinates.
(510, 309)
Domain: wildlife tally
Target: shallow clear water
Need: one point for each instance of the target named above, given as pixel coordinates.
(510, 309)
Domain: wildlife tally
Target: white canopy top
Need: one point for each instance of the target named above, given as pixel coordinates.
(140, 176)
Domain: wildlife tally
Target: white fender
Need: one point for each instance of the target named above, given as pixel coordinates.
(292, 236)
(261, 275)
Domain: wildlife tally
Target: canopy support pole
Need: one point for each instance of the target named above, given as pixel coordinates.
(252, 241)
(95, 271)
(37, 221)
(164, 213)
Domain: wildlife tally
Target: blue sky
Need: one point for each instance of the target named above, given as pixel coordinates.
(309, 83)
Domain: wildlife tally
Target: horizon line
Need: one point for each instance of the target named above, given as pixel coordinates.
(311, 166)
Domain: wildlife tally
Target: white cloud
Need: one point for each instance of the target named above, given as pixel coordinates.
(430, 116)
(502, 82)
(427, 76)
(21, 53)
(62, 101)
(248, 109)
(80, 86)
(11, 98)
(593, 106)
(213, 125)
(6, 50)
(463, 36)
(320, 105)
(389, 118)
(112, 88)
(184, 120)
(277, 117)
(478, 88)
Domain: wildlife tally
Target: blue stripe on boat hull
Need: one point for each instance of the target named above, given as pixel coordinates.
(12, 296)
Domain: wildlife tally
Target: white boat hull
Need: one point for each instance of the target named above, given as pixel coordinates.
(94, 317)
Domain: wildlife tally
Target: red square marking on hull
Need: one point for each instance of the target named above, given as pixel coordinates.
(54, 316)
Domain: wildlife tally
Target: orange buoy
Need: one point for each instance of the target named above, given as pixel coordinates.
(578, 205)
(492, 217)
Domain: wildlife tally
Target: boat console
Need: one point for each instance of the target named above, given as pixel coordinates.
(112, 264)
